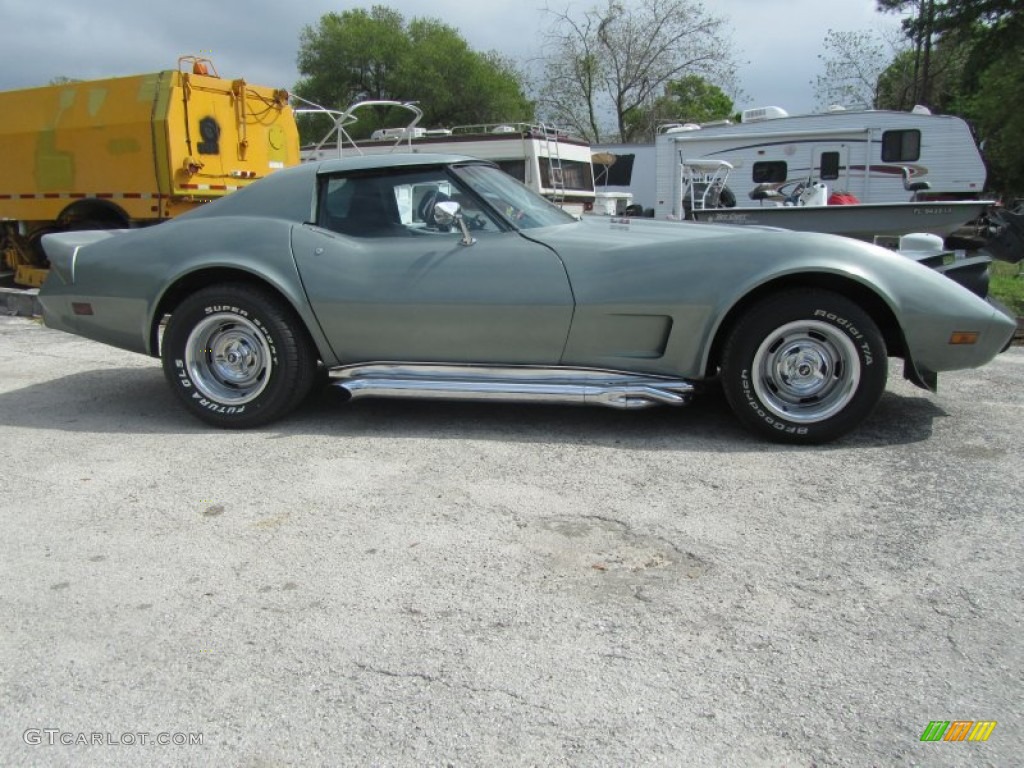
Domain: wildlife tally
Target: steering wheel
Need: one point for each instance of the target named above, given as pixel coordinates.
(475, 221)
(792, 196)
(514, 214)
(426, 208)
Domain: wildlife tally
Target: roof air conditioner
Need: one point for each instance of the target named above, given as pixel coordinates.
(760, 114)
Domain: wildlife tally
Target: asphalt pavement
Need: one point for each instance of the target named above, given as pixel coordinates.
(416, 583)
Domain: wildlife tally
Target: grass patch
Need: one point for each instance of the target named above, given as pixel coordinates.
(1008, 286)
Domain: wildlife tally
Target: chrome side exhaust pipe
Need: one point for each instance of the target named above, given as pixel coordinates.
(515, 384)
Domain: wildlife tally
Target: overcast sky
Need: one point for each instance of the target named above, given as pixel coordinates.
(777, 43)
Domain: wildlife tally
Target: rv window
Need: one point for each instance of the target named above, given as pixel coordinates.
(514, 168)
(900, 146)
(829, 170)
(770, 172)
(576, 175)
(618, 174)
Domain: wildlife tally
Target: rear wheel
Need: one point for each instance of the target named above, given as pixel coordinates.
(804, 366)
(236, 356)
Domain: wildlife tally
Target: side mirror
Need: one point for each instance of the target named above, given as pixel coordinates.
(449, 212)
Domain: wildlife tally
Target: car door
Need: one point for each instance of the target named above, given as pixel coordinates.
(386, 283)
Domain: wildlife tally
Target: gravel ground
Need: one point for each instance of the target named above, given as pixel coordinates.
(403, 583)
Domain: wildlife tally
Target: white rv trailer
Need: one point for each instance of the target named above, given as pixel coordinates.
(861, 152)
(544, 158)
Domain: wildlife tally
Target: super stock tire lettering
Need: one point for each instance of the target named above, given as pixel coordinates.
(215, 309)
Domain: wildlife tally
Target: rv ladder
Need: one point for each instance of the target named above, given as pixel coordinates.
(555, 172)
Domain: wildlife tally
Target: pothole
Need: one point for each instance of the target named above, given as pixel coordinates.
(604, 551)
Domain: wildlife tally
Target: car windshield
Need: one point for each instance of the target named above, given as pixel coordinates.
(521, 207)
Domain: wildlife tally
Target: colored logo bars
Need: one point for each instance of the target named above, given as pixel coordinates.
(958, 730)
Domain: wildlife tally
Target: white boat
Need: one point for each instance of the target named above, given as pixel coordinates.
(703, 194)
(865, 221)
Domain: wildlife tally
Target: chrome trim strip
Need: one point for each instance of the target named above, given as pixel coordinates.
(581, 386)
(74, 262)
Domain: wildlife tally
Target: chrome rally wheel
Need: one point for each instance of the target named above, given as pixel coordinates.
(228, 359)
(806, 371)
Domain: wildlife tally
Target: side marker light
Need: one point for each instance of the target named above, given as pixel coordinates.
(964, 337)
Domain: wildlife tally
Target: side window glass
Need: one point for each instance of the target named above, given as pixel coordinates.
(424, 195)
(770, 172)
(901, 146)
(335, 199)
(359, 206)
(421, 199)
(829, 166)
(396, 204)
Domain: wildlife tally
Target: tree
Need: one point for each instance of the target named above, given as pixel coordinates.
(983, 38)
(898, 88)
(994, 108)
(993, 27)
(920, 29)
(611, 62)
(358, 55)
(992, 86)
(896, 83)
(854, 62)
(690, 99)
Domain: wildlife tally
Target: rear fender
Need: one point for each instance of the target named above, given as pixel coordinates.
(61, 248)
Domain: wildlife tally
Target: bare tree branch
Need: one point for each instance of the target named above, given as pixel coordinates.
(609, 61)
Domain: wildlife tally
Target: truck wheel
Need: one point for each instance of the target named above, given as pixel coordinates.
(805, 366)
(237, 356)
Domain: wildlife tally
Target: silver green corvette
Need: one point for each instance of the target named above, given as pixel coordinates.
(440, 277)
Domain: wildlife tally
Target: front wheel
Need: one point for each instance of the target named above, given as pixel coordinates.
(805, 366)
(236, 356)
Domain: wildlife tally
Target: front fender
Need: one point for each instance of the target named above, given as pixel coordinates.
(699, 276)
(927, 306)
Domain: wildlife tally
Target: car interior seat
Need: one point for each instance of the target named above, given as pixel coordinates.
(372, 212)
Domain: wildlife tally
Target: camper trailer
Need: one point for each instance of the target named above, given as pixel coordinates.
(869, 154)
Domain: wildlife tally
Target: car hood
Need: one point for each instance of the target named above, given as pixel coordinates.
(612, 260)
(668, 245)
(743, 250)
(613, 232)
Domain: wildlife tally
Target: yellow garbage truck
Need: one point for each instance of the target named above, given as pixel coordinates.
(130, 151)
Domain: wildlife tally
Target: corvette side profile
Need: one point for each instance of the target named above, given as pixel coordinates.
(437, 276)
